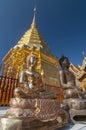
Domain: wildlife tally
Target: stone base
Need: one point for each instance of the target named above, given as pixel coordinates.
(33, 124)
(78, 116)
(11, 124)
(34, 114)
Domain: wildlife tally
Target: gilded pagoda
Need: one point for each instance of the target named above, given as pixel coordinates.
(32, 41)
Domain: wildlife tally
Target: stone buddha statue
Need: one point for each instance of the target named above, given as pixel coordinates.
(68, 80)
(74, 98)
(29, 90)
(30, 80)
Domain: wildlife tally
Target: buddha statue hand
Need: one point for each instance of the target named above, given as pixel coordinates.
(19, 93)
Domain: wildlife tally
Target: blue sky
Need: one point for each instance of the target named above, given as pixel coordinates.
(62, 24)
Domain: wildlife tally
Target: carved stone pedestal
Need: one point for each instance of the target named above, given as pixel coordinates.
(32, 124)
(34, 114)
(78, 116)
(77, 110)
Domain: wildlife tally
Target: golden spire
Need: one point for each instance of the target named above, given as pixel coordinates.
(34, 19)
(32, 37)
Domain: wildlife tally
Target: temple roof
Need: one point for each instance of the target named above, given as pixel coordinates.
(32, 37)
(79, 71)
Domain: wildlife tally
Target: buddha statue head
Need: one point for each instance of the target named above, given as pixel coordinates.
(31, 61)
(64, 62)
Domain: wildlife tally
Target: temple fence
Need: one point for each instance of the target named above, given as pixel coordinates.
(7, 85)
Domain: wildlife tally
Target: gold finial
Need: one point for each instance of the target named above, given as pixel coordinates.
(83, 54)
(34, 18)
(34, 10)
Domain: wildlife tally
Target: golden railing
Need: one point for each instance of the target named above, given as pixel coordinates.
(7, 86)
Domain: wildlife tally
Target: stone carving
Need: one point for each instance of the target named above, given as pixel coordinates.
(74, 98)
(68, 80)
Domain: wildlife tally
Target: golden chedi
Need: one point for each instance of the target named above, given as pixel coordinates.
(15, 62)
(32, 41)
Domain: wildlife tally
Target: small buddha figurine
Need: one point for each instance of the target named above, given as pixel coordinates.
(30, 79)
(68, 80)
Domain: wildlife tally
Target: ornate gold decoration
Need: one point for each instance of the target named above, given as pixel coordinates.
(80, 72)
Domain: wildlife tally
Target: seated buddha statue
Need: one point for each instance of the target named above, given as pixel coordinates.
(30, 80)
(74, 98)
(68, 80)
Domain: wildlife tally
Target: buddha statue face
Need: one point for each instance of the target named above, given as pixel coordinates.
(31, 61)
(64, 62)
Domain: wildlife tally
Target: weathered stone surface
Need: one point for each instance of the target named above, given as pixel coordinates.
(11, 124)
